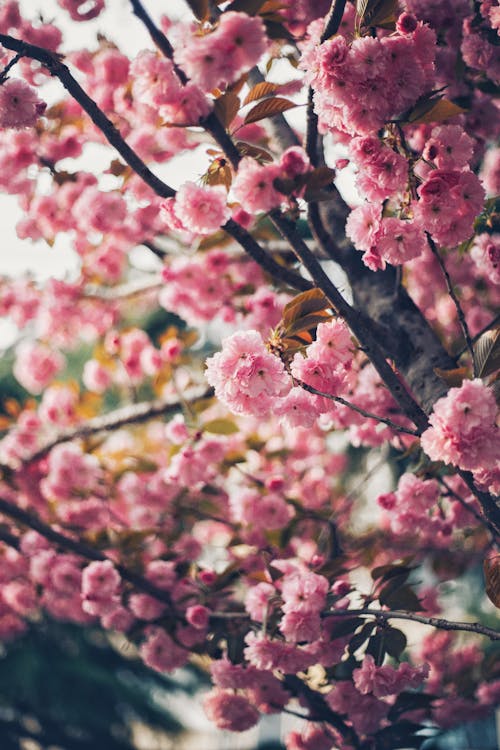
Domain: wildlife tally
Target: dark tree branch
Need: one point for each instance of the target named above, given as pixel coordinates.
(361, 326)
(482, 519)
(435, 622)
(389, 614)
(333, 20)
(52, 62)
(127, 415)
(32, 521)
(265, 261)
(157, 36)
(8, 67)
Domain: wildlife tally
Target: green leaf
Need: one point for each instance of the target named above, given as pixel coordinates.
(221, 427)
(408, 701)
(386, 572)
(345, 626)
(359, 638)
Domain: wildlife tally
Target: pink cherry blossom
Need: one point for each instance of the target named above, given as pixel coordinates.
(201, 209)
(245, 375)
(463, 430)
(20, 106)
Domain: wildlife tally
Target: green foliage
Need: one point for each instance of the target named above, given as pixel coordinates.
(68, 686)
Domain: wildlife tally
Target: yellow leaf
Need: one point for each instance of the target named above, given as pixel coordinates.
(219, 173)
(221, 427)
(267, 108)
(436, 111)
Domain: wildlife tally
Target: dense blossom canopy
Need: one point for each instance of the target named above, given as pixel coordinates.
(220, 494)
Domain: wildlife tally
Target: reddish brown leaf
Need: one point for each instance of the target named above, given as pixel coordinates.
(267, 108)
(226, 107)
(304, 304)
(491, 567)
(248, 149)
(453, 378)
(260, 90)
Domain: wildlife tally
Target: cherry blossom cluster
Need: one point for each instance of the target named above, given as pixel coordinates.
(463, 429)
(361, 84)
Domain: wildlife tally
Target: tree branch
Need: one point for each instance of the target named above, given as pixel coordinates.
(265, 261)
(333, 20)
(482, 519)
(127, 415)
(360, 325)
(157, 36)
(435, 622)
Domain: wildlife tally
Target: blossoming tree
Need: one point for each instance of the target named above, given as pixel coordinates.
(202, 502)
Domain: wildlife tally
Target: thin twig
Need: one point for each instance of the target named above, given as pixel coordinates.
(481, 519)
(9, 66)
(358, 409)
(456, 302)
(435, 622)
